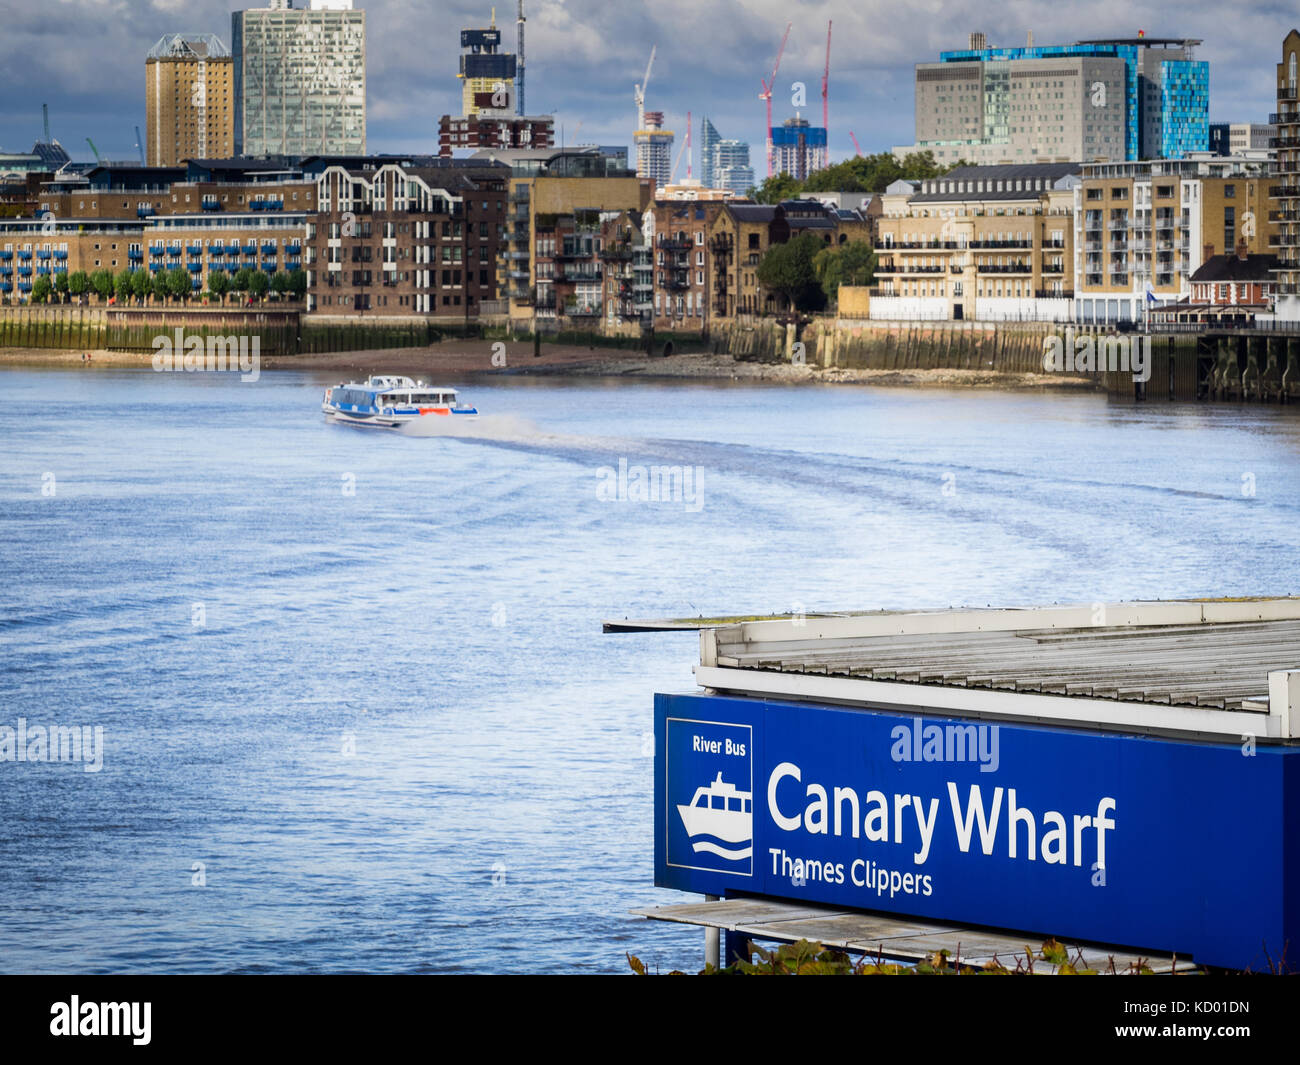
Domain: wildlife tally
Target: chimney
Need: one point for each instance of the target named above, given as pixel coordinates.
(1241, 249)
(1209, 253)
(1029, 41)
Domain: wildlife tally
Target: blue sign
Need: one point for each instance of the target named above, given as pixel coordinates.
(1151, 843)
(710, 823)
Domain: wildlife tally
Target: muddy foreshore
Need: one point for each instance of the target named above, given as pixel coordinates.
(458, 357)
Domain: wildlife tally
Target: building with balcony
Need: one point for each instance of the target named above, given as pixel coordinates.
(1284, 187)
(679, 236)
(406, 239)
(993, 243)
(553, 195)
(1141, 230)
(189, 100)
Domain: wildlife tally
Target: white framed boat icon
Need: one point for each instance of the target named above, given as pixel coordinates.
(722, 815)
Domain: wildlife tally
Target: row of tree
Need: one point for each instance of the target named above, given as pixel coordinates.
(806, 274)
(862, 173)
(174, 284)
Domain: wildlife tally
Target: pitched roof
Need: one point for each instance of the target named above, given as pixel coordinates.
(1233, 268)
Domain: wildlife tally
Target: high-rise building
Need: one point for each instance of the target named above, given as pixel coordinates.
(799, 148)
(1284, 193)
(487, 74)
(731, 169)
(300, 79)
(654, 149)
(709, 139)
(490, 115)
(189, 100)
(1092, 101)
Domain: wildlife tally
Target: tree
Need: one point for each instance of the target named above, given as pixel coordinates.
(61, 285)
(102, 282)
(298, 283)
(853, 263)
(242, 279)
(258, 283)
(79, 283)
(775, 189)
(41, 289)
(219, 284)
(178, 283)
(787, 271)
(158, 285)
(141, 284)
(280, 283)
(861, 173)
(122, 286)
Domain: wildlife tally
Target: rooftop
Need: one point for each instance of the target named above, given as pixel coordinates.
(1188, 667)
(1229, 268)
(189, 46)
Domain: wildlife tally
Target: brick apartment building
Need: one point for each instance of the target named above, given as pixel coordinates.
(401, 240)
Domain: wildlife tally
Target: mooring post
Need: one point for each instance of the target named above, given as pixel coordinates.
(712, 942)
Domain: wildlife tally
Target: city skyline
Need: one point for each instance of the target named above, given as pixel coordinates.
(584, 59)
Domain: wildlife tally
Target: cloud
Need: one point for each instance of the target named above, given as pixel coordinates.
(86, 58)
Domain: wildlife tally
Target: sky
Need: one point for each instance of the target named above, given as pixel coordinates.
(85, 58)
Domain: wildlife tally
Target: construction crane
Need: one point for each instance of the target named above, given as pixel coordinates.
(640, 91)
(826, 89)
(766, 95)
(139, 144)
(672, 178)
(95, 150)
(856, 146)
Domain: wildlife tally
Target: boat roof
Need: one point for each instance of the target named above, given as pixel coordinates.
(390, 384)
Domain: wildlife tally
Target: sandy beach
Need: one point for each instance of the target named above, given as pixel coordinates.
(459, 357)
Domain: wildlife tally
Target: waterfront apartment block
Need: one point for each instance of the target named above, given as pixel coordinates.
(989, 243)
(555, 197)
(200, 244)
(682, 263)
(1141, 230)
(401, 240)
(625, 256)
(189, 100)
(1099, 100)
(739, 237)
(1284, 188)
(300, 79)
(150, 192)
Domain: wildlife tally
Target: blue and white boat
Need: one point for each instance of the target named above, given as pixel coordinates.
(391, 402)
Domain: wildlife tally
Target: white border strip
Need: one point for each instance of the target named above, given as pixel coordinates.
(1111, 714)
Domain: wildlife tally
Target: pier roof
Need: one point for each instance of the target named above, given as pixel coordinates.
(1205, 668)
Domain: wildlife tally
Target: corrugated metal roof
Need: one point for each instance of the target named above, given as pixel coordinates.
(1206, 655)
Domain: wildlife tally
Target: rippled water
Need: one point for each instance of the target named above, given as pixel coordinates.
(441, 622)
